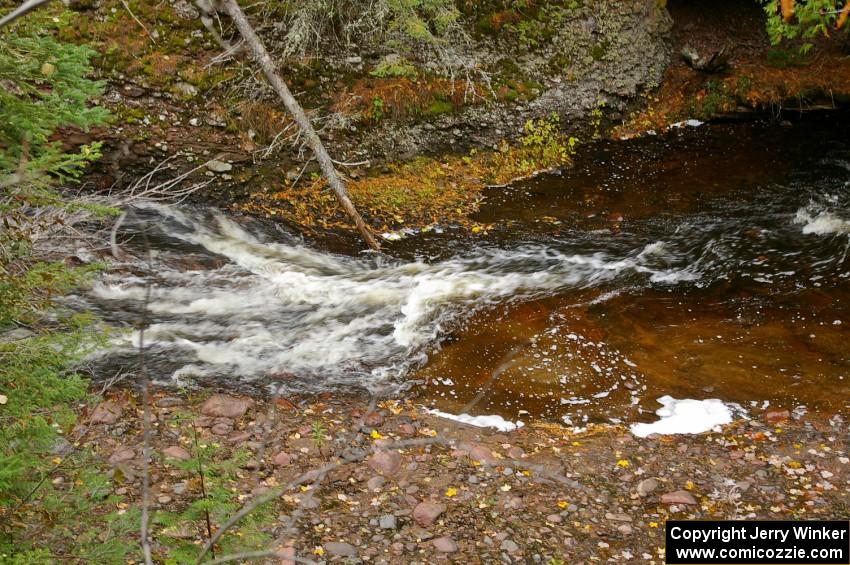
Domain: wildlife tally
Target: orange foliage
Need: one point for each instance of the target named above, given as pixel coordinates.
(266, 120)
(498, 20)
(787, 7)
(842, 17)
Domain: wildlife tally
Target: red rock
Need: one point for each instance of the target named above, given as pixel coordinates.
(373, 419)
(225, 406)
(282, 459)
(482, 454)
(107, 412)
(678, 497)
(386, 463)
(406, 430)
(238, 437)
(426, 513)
(121, 455)
(445, 544)
(204, 421)
(221, 429)
(287, 555)
(777, 417)
(176, 452)
(285, 404)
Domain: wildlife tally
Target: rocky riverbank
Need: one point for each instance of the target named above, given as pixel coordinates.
(422, 125)
(393, 484)
(419, 146)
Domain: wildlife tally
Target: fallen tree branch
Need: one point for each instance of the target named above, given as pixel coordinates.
(264, 60)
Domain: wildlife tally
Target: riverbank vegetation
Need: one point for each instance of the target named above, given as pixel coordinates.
(431, 103)
(46, 86)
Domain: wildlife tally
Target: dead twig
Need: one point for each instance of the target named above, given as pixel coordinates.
(138, 21)
(203, 482)
(144, 529)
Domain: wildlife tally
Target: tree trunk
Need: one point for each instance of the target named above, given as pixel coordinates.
(262, 57)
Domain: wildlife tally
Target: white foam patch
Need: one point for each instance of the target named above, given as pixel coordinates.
(685, 416)
(691, 123)
(823, 223)
(492, 421)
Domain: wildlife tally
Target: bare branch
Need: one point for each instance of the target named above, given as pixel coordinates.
(264, 60)
(144, 530)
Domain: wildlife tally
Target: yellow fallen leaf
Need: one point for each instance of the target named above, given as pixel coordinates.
(451, 491)
(623, 463)
(653, 524)
(689, 485)
(562, 504)
(318, 550)
(376, 435)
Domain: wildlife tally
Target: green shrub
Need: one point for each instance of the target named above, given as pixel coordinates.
(395, 67)
(44, 87)
(810, 19)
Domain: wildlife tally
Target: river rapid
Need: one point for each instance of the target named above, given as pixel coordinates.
(708, 262)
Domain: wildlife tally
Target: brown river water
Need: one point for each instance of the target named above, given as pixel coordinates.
(710, 262)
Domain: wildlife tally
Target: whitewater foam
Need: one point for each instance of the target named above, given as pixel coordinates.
(685, 416)
(822, 223)
(283, 308)
(491, 421)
